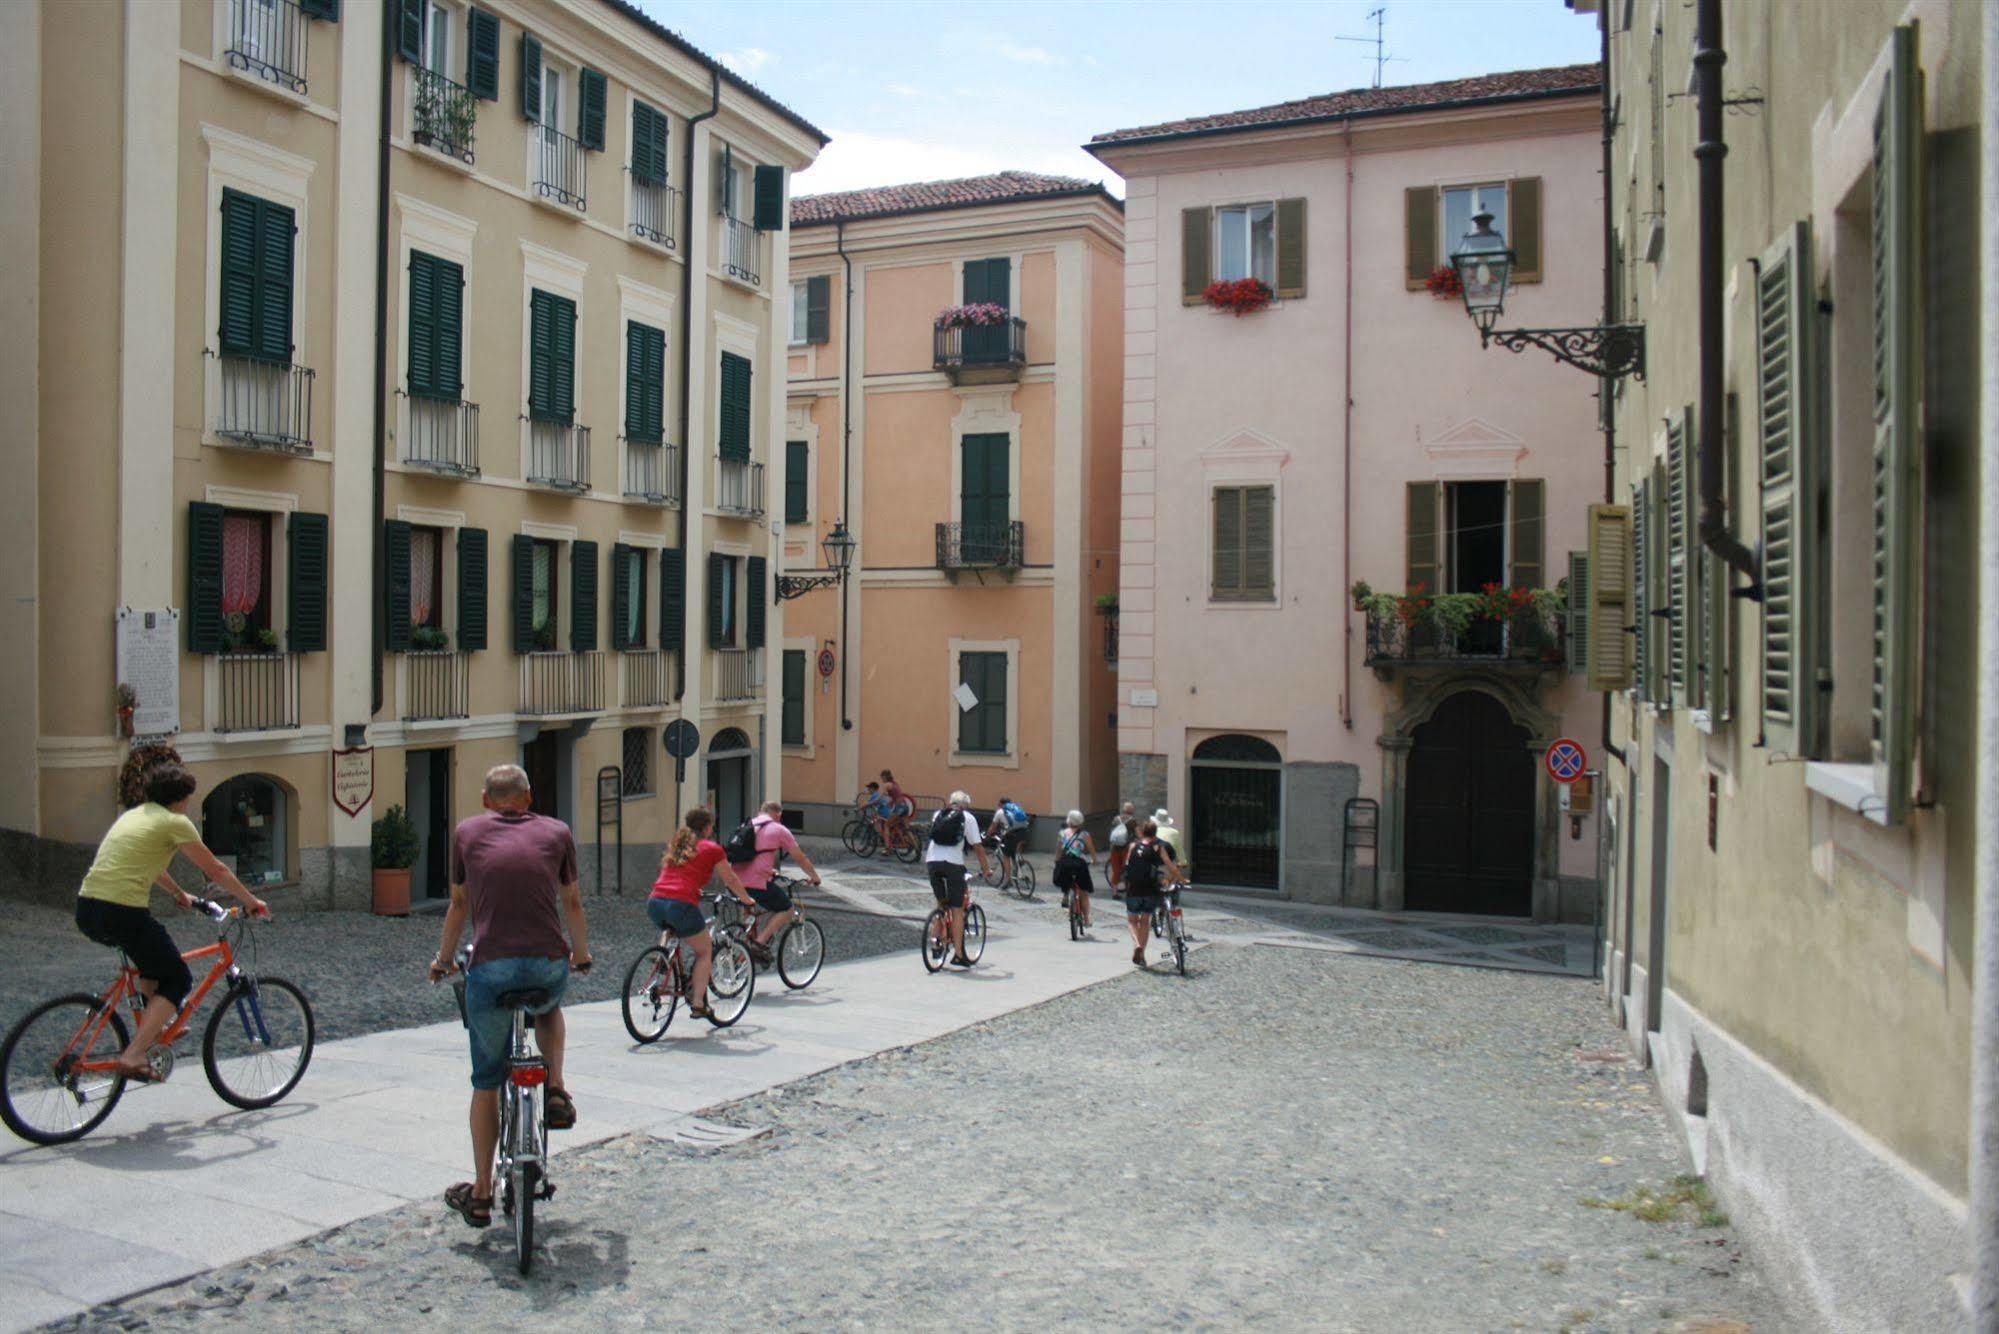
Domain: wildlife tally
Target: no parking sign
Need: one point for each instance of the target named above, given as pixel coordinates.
(1566, 761)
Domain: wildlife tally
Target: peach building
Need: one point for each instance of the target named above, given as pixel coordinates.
(978, 467)
(1353, 431)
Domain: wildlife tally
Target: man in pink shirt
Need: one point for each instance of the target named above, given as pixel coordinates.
(772, 838)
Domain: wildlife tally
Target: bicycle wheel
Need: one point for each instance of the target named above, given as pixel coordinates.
(42, 1098)
(801, 953)
(258, 1042)
(935, 945)
(1075, 917)
(992, 874)
(731, 982)
(910, 850)
(651, 993)
(1023, 875)
(728, 912)
(975, 933)
(1176, 935)
(854, 835)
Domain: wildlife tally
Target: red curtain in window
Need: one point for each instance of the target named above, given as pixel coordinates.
(423, 575)
(242, 563)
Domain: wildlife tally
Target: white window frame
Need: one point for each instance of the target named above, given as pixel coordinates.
(959, 759)
(1445, 241)
(1215, 257)
(454, 35)
(564, 536)
(280, 505)
(801, 331)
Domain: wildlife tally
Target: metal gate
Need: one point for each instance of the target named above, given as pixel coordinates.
(1238, 813)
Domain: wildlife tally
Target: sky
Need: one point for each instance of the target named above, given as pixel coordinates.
(921, 90)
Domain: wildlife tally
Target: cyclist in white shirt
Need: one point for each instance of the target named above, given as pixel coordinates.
(952, 830)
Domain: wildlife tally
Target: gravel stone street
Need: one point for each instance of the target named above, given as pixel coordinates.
(1287, 1139)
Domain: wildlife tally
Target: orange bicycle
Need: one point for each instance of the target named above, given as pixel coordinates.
(59, 1074)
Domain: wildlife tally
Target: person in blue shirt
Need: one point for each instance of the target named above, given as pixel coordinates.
(1009, 828)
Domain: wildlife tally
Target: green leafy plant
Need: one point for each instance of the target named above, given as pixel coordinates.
(430, 638)
(1107, 602)
(1453, 613)
(392, 842)
(1361, 592)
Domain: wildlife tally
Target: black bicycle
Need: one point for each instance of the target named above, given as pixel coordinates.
(1166, 925)
(936, 943)
(800, 950)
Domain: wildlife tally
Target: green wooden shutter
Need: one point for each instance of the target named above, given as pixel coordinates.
(582, 596)
(396, 586)
(1225, 573)
(541, 353)
(1527, 522)
(448, 322)
(409, 30)
(755, 596)
(204, 577)
(672, 598)
(562, 361)
(1641, 588)
(1679, 574)
(1609, 606)
(236, 333)
(645, 382)
(306, 618)
(715, 563)
(818, 309)
(471, 589)
(989, 280)
(523, 562)
(1290, 247)
(1575, 640)
(792, 727)
(423, 324)
(734, 441)
(1259, 543)
(1424, 551)
(769, 204)
(985, 483)
(1419, 234)
(1523, 208)
(725, 182)
(482, 55)
(622, 593)
(590, 99)
(272, 338)
(320, 9)
(1196, 253)
(797, 473)
(1897, 458)
(1788, 440)
(649, 144)
(530, 77)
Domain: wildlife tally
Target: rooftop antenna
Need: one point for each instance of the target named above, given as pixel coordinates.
(1379, 18)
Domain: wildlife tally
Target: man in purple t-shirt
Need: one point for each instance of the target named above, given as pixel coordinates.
(513, 874)
(772, 838)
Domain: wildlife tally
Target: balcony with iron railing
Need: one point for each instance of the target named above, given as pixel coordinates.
(436, 685)
(560, 164)
(652, 472)
(443, 115)
(981, 546)
(554, 684)
(739, 674)
(441, 435)
(558, 455)
(264, 405)
(256, 692)
(981, 353)
(1399, 642)
(655, 209)
(739, 488)
(742, 251)
(646, 679)
(268, 38)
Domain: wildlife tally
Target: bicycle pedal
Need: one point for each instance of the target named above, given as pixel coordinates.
(545, 1191)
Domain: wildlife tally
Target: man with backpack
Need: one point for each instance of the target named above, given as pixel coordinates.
(1148, 872)
(753, 851)
(952, 830)
(1008, 830)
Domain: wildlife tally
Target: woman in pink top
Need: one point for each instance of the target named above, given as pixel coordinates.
(691, 858)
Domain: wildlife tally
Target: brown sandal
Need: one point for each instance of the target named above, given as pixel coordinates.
(561, 1111)
(475, 1211)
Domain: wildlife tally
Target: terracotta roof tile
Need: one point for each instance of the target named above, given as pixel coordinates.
(1005, 187)
(1548, 82)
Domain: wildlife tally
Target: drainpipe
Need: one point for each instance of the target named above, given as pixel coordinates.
(687, 363)
(1606, 386)
(378, 558)
(1709, 150)
(846, 432)
(1346, 464)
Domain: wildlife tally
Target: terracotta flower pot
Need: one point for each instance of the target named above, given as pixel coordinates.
(392, 892)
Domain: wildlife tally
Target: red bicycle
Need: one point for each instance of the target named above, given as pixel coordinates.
(59, 1074)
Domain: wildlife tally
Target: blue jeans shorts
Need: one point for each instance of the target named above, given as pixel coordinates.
(1141, 905)
(492, 1028)
(675, 915)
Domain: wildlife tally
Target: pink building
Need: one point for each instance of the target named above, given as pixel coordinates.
(1352, 431)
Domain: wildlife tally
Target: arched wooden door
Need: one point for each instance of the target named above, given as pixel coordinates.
(1237, 787)
(1469, 844)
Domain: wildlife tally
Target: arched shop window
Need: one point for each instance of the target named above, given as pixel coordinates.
(1237, 749)
(244, 821)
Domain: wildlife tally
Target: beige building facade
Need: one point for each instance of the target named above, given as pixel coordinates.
(977, 467)
(422, 444)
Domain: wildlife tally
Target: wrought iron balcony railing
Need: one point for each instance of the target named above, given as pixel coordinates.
(655, 206)
(980, 546)
(442, 435)
(445, 113)
(742, 251)
(739, 487)
(267, 38)
(652, 472)
(645, 678)
(559, 683)
(1394, 641)
(739, 674)
(259, 692)
(966, 347)
(437, 685)
(560, 165)
(265, 405)
(558, 455)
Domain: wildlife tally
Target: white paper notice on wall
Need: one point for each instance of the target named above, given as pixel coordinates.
(967, 701)
(1144, 699)
(149, 663)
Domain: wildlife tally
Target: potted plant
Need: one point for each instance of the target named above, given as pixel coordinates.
(1239, 296)
(1107, 602)
(975, 315)
(430, 638)
(1361, 592)
(1444, 283)
(392, 849)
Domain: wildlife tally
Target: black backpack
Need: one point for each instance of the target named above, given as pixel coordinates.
(742, 845)
(947, 827)
(1141, 869)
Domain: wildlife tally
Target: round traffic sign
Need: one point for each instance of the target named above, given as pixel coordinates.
(825, 662)
(1567, 761)
(682, 738)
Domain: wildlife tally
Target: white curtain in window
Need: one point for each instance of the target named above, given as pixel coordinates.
(544, 578)
(242, 563)
(423, 576)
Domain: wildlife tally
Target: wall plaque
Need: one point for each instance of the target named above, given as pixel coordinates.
(149, 669)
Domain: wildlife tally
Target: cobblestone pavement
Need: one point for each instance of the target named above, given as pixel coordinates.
(1288, 1138)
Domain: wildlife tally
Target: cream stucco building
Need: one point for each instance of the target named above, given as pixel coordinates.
(439, 440)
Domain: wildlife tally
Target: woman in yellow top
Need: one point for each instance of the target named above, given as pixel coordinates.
(111, 908)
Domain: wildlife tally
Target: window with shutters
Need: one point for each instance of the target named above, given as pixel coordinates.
(631, 587)
(1462, 203)
(727, 598)
(258, 237)
(247, 572)
(544, 594)
(797, 482)
(798, 313)
(635, 774)
(1243, 557)
(1246, 242)
(551, 357)
(982, 728)
(442, 110)
(792, 727)
(1436, 220)
(654, 210)
(270, 39)
(436, 326)
(426, 609)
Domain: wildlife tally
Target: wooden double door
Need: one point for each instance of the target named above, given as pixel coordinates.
(1469, 831)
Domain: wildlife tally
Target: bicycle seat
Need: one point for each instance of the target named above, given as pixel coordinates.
(530, 998)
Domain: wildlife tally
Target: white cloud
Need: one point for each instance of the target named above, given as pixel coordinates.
(855, 161)
(902, 89)
(1025, 55)
(747, 61)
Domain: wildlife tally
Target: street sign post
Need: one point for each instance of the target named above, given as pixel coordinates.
(681, 739)
(1566, 761)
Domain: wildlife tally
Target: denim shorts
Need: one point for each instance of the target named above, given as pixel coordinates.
(682, 918)
(1142, 905)
(492, 1028)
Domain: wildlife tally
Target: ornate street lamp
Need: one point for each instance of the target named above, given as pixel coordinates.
(839, 548)
(1485, 270)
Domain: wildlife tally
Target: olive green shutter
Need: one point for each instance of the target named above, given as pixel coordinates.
(792, 724)
(275, 231)
(645, 382)
(725, 182)
(649, 136)
(583, 596)
(1897, 462)
(307, 574)
(1225, 572)
(1259, 543)
(769, 202)
(1425, 561)
(523, 590)
(482, 55)
(530, 77)
(715, 562)
(1608, 661)
(320, 9)
(672, 597)
(755, 595)
(797, 473)
(562, 379)
(422, 324)
(622, 593)
(409, 30)
(1678, 574)
(590, 96)
(1575, 639)
(1526, 524)
(236, 333)
(1290, 247)
(989, 280)
(1641, 589)
(818, 308)
(396, 586)
(1788, 442)
(204, 577)
(1196, 257)
(1523, 209)
(437, 326)
(471, 589)
(541, 354)
(734, 441)
(1419, 234)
